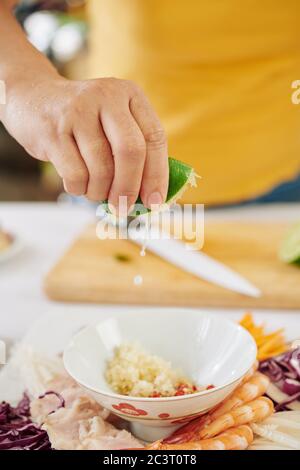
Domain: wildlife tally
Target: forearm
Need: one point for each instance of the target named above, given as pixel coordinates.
(9, 3)
(102, 135)
(18, 58)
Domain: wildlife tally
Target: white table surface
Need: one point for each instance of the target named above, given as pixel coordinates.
(47, 229)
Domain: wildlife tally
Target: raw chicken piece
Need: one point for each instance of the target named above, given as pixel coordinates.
(111, 438)
(79, 428)
(80, 424)
(69, 391)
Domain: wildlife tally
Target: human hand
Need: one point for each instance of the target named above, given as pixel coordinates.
(102, 136)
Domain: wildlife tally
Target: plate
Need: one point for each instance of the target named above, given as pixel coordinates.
(12, 250)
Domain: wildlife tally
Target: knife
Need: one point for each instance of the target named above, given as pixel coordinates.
(194, 262)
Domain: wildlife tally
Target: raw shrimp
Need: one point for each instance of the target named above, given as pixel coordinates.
(248, 391)
(250, 372)
(238, 438)
(252, 412)
(188, 432)
(255, 386)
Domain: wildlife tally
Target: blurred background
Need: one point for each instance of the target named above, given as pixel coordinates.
(223, 94)
(59, 29)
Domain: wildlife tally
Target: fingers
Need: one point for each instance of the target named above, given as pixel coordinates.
(129, 151)
(66, 158)
(96, 152)
(155, 180)
(109, 144)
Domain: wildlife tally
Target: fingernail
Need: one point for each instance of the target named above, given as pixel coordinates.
(154, 199)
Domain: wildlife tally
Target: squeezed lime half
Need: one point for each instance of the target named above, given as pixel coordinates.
(181, 176)
(290, 248)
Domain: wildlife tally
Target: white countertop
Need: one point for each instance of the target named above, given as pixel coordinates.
(47, 229)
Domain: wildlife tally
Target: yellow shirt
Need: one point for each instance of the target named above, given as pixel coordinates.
(219, 74)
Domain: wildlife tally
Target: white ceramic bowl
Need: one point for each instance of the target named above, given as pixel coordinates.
(207, 348)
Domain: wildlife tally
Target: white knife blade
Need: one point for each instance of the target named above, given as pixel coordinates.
(197, 263)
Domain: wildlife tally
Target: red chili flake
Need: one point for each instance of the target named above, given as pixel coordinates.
(210, 387)
(155, 395)
(182, 387)
(179, 392)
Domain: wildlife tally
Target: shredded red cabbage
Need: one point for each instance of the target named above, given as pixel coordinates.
(284, 372)
(17, 431)
(58, 395)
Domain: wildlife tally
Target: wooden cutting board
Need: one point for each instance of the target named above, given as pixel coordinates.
(103, 271)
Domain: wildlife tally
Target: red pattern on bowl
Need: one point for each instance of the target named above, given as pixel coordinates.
(164, 415)
(128, 409)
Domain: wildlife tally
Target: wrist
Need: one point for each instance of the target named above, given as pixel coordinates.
(22, 80)
(28, 72)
